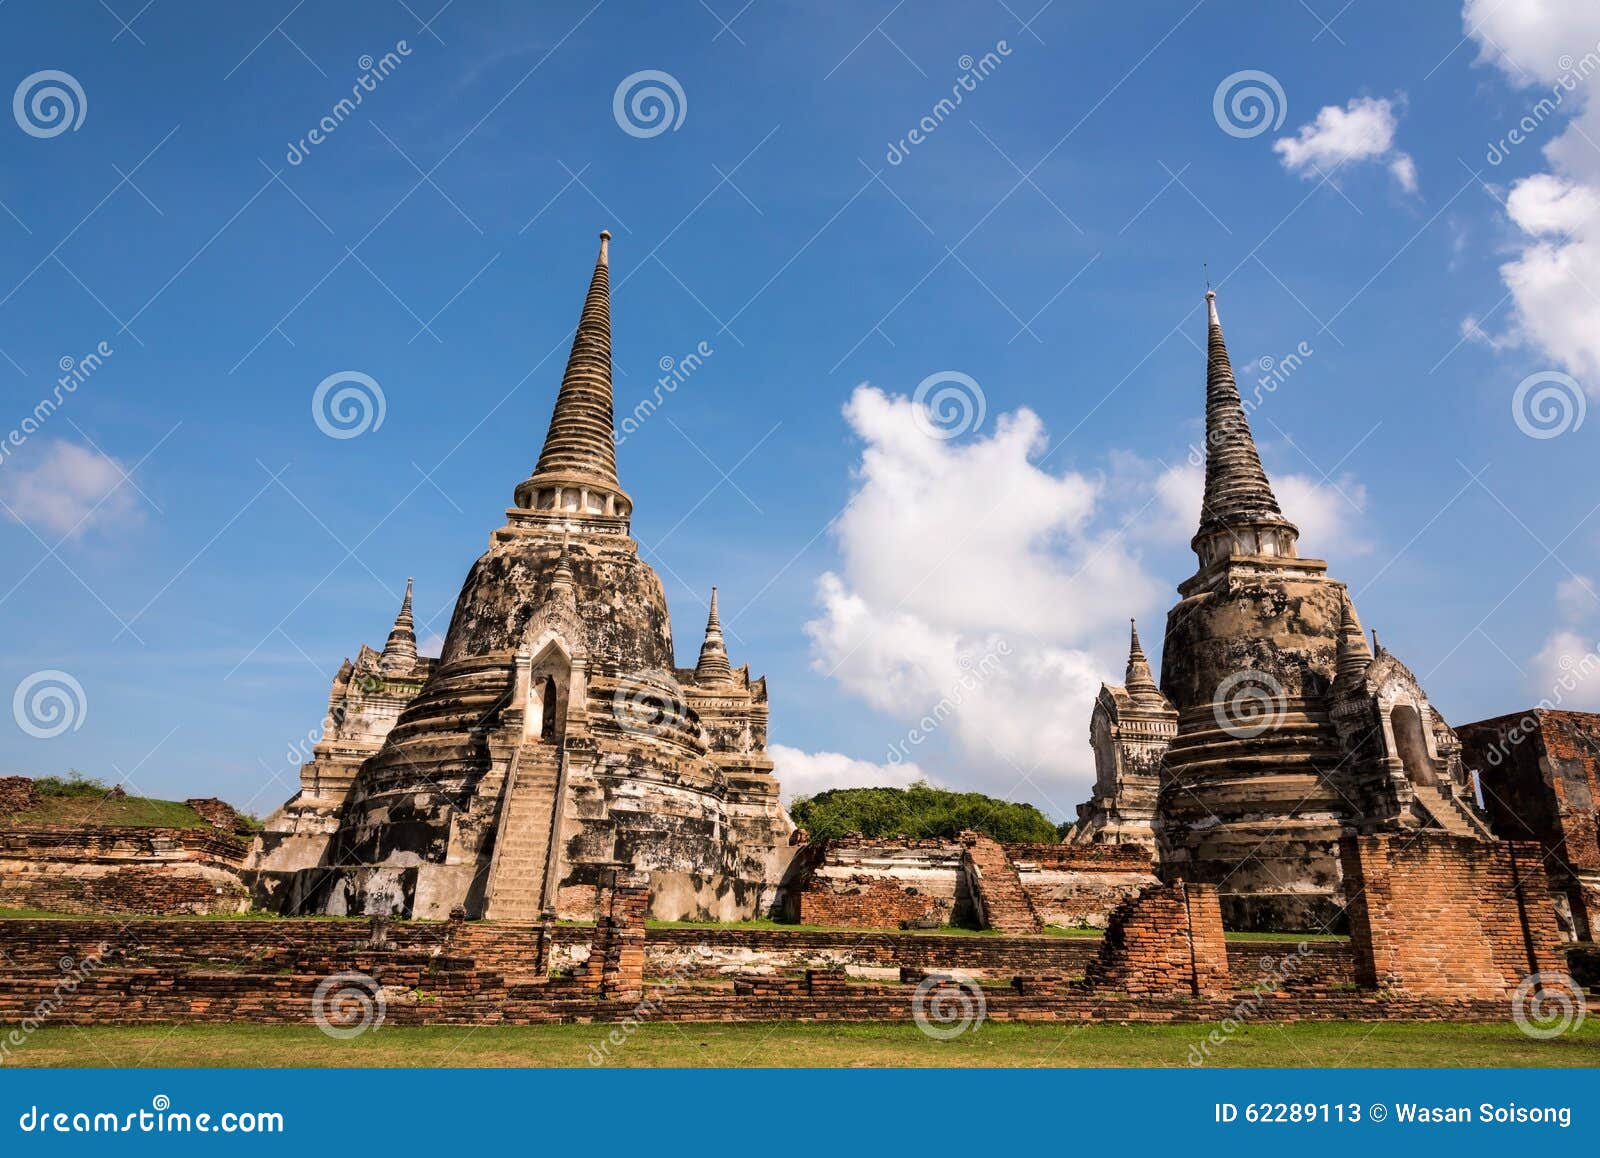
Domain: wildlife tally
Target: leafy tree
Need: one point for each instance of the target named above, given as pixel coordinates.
(917, 812)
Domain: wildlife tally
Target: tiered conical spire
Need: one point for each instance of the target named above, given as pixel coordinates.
(400, 650)
(713, 663)
(1354, 657)
(1139, 682)
(577, 470)
(1239, 505)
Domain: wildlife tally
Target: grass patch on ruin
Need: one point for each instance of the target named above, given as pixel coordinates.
(79, 810)
(784, 1044)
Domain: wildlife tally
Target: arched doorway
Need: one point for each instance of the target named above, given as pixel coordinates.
(1411, 744)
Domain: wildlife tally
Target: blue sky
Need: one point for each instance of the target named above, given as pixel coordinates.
(1046, 239)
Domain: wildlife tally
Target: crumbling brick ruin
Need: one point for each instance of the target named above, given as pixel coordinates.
(880, 883)
(1449, 916)
(1540, 776)
(1168, 939)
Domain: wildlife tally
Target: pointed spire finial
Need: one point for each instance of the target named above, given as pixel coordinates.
(562, 580)
(1239, 513)
(577, 469)
(400, 650)
(1353, 658)
(1139, 682)
(713, 663)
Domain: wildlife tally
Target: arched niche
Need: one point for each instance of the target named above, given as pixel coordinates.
(1411, 744)
(549, 693)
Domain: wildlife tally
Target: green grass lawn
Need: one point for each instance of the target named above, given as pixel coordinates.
(808, 1044)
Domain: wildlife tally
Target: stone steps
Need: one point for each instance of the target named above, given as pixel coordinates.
(1449, 813)
(516, 890)
(1002, 902)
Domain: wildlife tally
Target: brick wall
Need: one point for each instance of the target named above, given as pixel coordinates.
(1448, 916)
(1540, 773)
(17, 794)
(615, 966)
(1078, 885)
(1168, 939)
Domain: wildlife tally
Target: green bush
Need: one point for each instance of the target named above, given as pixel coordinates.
(919, 811)
(74, 783)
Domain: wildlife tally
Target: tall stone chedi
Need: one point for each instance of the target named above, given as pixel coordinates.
(554, 740)
(1290, 731)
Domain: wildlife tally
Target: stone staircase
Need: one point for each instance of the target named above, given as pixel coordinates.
(1002, 903)
(522, 844)
(1449, 813)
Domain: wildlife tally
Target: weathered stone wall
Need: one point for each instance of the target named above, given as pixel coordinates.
(1077, 885)
(1168, 939)
(887, 883)
(1448, 916)
(880, 884)
(121, 870)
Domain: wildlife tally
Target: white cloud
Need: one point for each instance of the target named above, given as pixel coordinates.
(808, 773)
(1361, 131)
(1328, 513)
(1550, 49)
(980, 602)
(1566, 672)
(1577, 597)
(66, 489)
